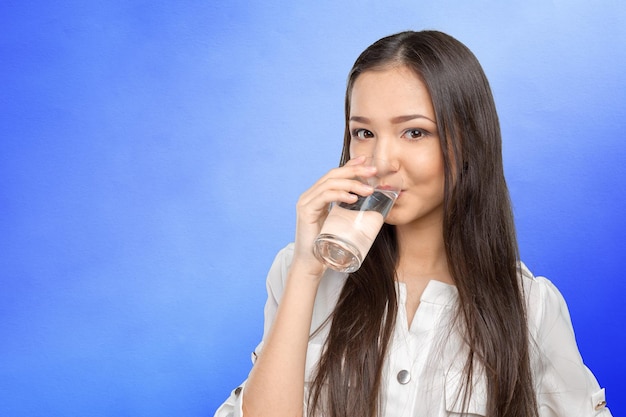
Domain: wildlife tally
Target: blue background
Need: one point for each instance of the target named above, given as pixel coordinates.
(152, 153)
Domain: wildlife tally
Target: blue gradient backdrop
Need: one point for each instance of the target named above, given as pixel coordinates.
(152, 152)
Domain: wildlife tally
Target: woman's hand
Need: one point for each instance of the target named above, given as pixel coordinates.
(338, 185)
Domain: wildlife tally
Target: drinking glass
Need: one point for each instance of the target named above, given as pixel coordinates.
(350, 228)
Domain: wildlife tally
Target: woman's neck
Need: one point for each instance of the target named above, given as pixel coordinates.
(422, 254)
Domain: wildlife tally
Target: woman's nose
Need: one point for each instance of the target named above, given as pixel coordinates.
(386, 151)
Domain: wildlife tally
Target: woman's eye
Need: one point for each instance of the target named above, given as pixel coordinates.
(414, 134)
(362, 134)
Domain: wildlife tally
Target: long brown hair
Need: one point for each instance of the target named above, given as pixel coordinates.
(479, 237)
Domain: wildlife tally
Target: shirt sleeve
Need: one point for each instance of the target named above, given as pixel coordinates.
(565, 386)
(276, 276)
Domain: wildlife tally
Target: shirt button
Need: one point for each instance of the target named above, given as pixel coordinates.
(598, 399)
(404, 377)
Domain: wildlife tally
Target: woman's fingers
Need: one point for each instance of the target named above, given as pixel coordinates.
(335, 189)
(352, 169)
(342, 179)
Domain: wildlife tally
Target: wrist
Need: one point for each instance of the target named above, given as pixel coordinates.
(311, 271)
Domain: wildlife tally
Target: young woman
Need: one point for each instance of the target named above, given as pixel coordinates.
(441, 319)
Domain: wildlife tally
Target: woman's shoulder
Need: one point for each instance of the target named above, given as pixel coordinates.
(544, 302)
(277, 274)
(537, 287)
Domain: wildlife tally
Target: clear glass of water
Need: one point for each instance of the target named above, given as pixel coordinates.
(350, 229)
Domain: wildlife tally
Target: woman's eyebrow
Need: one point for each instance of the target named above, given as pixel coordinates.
(402, 119)
(395, 120)
(359, 119)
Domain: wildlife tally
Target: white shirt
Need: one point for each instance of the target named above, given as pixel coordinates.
(434, 356)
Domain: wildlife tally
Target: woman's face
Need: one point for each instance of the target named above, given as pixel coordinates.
(392, 118)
